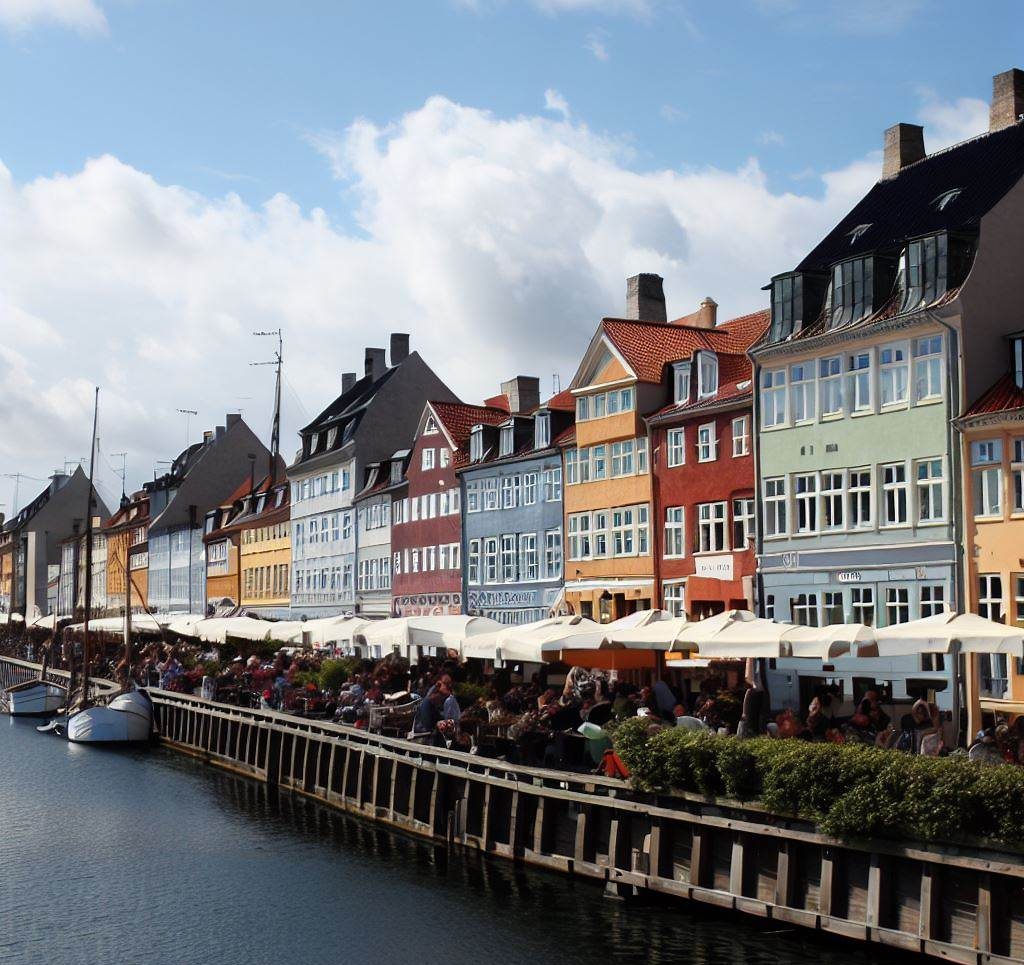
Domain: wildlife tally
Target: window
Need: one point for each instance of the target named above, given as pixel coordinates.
(673, 598)
(801, 388)
(529, 488)
(430, 429)
(542, 431)
(599, 462)
(711, 528)
(833, 608)
(895, 495)
(445, 457)
(832, 500)
(852, 290)
(572, 471)
(675, 531)
(990, 596)
(773, 398)
(804, 609)
(707, 374)
(830, 376)
(623, 531)
(579, 536)
(775, 507)
(472, 496)
(508, 558)
(604, 403)
(893, 374)
(930, 491)
(924, 271)
(529, 563)
(599, 533)
(742, 523)
(1018, 600)
(681, 381)
(859, 368)
(741, 436)
(897, 605)
(509, 492)
(582, 408)
(676, 447)
(622, 457)
(933, 599)
(1017, 474)
(860, 499)
(506, 441)
(490, 559)
(490, 493)
(707, 444)
(987, 477)
(476, 444)
(928, 368)
(805, 496)
(787, 307)
(553, 485)
(641, 455)
(863, 600)
(553, 554)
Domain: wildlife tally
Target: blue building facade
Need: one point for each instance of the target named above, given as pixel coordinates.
(512, 515)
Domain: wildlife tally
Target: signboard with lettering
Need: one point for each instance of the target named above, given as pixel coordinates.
(848, 576)
(717, 567)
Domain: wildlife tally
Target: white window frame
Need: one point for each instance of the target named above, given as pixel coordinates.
(805, 504)
(832, 492)
(931, 491)
(744, 519)
(830, 386)
(673, 597)
(741, 436)
(542, 431)
(857, 489)
(675, 532)
(528, 488)
(776, 511)
(928, 369)
(897, 604)
(681, 381)
(707, 443)
(895, 490)
(707, 374)
(1017, 474)
(427, 459)
(712, 527)
(931, 599)
(675, 443)
(553, 554)
(860, 378)
(529, 561)
(862, 605)
(490, 571)
(894, 360)
(774, 398)
(987, 478)
(802, 392)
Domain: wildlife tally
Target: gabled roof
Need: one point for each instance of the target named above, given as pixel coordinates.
(458, 419)
(1004, 396)
(983, 169)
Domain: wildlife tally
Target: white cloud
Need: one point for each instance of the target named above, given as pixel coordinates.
(497, 243)
(771, 139)
(597, 44)
(82, 15)
(949, 122)
(554, 101)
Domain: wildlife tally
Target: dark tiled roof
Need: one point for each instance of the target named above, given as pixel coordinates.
(1004, 396)
(902, 207)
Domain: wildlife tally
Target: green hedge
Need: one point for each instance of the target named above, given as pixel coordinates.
(848, 790)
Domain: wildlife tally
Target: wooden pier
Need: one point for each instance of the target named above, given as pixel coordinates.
(961, 904)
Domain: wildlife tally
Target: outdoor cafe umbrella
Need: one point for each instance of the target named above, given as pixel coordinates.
(654, 634)
(827, 643)
(401, 634)
(733, 634)
(520, 642)
(941, 633)
(596, 648)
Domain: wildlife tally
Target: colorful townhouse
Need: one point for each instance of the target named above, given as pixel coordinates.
(992, 432)
(32, 540)
(221, 550)
(127, 536)
(374, 417)
(265, 551)
(878, 339)
(512, 507)
(385, 484)
(426, 524)
(199, 480)
(625, 376)
(702, 460)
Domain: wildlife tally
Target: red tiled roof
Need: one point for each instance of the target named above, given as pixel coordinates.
(733, 371)
(459, 418)
(564, 401)
(649, 346)
(499, 401)
(1004, 396)
(565, 438)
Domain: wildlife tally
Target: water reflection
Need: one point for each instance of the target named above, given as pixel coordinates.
(135, 856)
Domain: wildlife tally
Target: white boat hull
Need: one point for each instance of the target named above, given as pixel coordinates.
(127, 719)
(35, 698)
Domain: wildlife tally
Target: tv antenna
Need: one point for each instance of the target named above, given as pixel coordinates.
(275, 425)
(187, 413)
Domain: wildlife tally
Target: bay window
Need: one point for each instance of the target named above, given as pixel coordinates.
(852, 290)
(599, 462)
(622, 458)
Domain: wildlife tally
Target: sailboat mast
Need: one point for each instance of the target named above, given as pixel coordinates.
(275, 429)
(88, 554)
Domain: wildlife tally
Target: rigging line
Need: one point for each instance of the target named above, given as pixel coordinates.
(295, 397)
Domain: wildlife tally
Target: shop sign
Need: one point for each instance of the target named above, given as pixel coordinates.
(848, 576)
(717, 567)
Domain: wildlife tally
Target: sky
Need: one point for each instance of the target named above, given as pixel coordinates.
(482, 174)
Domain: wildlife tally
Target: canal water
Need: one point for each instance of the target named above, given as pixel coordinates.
(147, 857)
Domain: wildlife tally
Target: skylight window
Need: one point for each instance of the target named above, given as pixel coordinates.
(947, 198)
(858, 232)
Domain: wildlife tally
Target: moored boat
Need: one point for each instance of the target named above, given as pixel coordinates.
(35, 698)
(127, 719)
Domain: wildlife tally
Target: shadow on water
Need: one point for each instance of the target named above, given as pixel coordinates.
(177, 862)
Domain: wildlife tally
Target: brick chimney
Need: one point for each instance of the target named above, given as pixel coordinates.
(523, 393)
(375, 364)
(903, 144)
(1007, 99)
(399, 347)
(645, 298)
(348, 379)
(707, 313)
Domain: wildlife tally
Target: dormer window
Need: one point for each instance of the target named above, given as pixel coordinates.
(1017, 357)
(681, 382)
(852, 289)
(332, 437)
(542, 430)
(507, 441)
(707, 374)
(476, 444)
(929, 267)
(946, 198)
(396, 472)
(796, 298)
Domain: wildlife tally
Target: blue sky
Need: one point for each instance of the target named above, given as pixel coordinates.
(480, 173)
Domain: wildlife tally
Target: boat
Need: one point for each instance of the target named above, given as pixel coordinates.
(35, 698)
(127, 719)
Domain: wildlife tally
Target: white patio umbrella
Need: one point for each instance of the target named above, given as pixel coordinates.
(44, 623)
(141, 623)
(827, 643)
(512, 639)
(324, 630)
(655, 634)
(218, 629)
(939, 633)
(719, 636)
(404, 633)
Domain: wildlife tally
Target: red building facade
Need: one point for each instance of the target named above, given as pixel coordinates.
(703, 479)
(426, 528)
